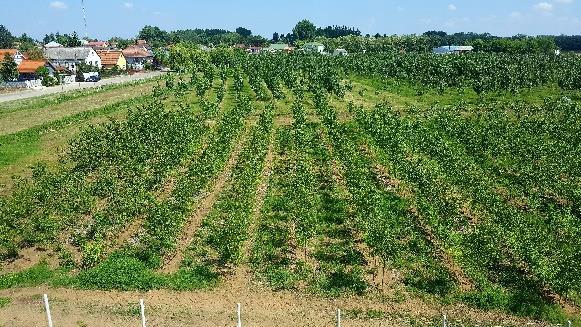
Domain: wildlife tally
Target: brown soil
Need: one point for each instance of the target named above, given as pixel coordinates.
(26, 259)
(126, 234)
(205, 205)
(260, 307)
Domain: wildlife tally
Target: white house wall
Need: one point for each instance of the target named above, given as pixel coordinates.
(94, 59)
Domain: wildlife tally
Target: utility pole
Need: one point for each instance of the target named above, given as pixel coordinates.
(85, 19)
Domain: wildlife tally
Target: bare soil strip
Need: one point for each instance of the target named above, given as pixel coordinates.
(205, 205)
(260, 307)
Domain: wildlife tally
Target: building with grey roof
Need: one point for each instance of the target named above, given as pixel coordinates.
(70, 58)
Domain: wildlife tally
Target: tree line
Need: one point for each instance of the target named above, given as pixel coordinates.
(336, 36)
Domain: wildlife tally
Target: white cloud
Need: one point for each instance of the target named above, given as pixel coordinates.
(452, 7)
(543, 7)
(58, 5)
(128, 5)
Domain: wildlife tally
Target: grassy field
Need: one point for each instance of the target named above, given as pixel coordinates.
(377, 202)
(39, 129)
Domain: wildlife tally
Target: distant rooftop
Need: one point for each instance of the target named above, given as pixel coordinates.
(79, 53)
(53, 44)
(453, 48)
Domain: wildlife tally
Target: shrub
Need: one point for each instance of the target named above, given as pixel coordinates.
(122, 273)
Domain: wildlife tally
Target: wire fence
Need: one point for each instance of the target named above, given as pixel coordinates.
(142, 313)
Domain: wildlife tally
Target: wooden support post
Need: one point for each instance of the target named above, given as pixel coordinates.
(445, 321)
(338, 317)
(47, 309)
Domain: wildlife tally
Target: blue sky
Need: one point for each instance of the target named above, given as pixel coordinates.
(125, 18)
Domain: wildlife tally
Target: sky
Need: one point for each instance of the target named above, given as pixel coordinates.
(124, 18)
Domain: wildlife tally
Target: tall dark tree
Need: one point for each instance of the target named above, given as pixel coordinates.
(436, 33)
(244, 32)
(275, 37)
(155, 36)
(6, 38)
(336, 31)
(290, 38)
(8, 69)
(305, 30)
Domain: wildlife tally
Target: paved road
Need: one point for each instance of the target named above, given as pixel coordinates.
(25, 94)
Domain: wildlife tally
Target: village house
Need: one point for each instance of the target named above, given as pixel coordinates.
(71, 58)
(112, 58)
(14, 53)
(254, 50)
(27, 70)
(340, 52)
(138, 56)
(98, 44)
(279, 47)
(314, 47)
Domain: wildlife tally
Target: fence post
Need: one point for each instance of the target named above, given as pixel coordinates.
(338, 317)
(47, 309)
(445, 321)
(142, 311)
(569, 323)
(238, 315)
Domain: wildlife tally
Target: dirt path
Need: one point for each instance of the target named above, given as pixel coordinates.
(205, 205)
(260, 307)
(26, 94)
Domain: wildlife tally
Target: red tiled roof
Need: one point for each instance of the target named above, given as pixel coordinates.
(11, 52)
(98, 44)
(136, 52)
(109, 57)
(30, 66)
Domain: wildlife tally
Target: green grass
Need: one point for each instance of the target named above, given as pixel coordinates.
(26, 143)
(48, 100)
(34, 276)
(13, 149)
(401, 93)
(4, 301)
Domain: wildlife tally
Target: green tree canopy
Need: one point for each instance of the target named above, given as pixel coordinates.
(6, 38)
(244, 32)
(305, 30)
(121, 42)
(8, 69)
(155, 36)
